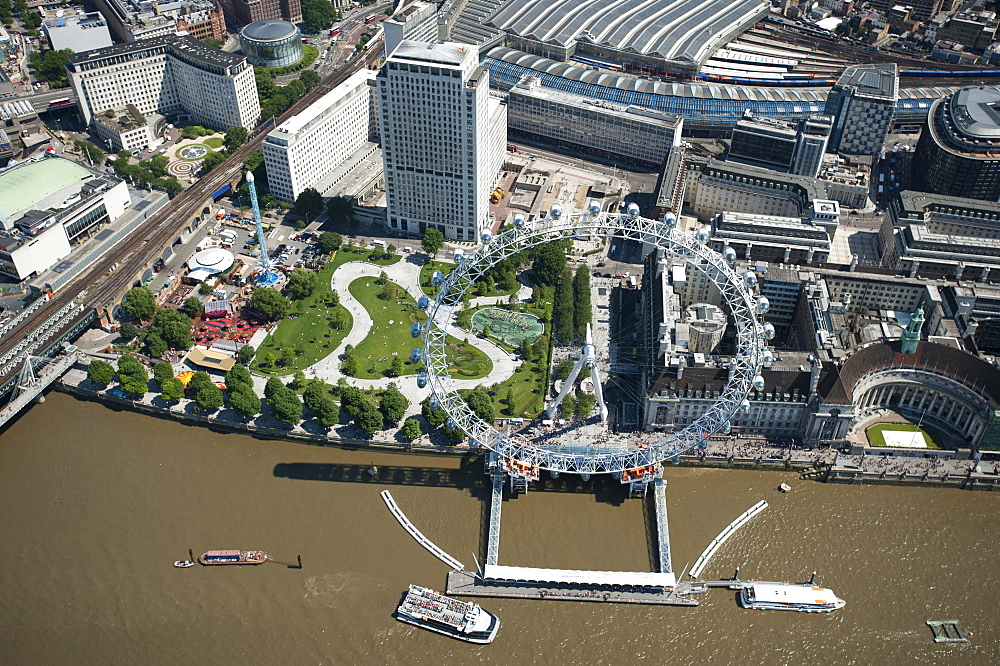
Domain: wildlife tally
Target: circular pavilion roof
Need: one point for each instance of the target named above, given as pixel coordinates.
(269, 30)
(212, 259)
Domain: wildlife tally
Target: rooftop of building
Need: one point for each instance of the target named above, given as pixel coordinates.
(531, 86)
(301, 120)
(975, 112)
(28, 185)
(880, 81)
(913, 201)
(672, 29)
(185, 44)
(76, 31)
(838, 387)
(813, 187)
(445, 53)
(269, 30)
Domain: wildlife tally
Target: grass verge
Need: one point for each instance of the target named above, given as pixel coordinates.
(876, 434)
(390, 336)
(307, 330)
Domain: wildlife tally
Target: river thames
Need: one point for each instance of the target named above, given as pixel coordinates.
(96, 504)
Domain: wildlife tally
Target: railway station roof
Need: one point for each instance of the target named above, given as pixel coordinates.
(673, 29)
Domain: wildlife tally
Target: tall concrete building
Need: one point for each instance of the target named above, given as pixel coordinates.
(418, 21)
(309, 146)
(171, 74)
(959, 152)
(863, 103)
(443, 139)
(810, 145)
(245, 12)
(763, 142)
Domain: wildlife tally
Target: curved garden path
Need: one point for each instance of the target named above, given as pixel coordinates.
(405, 273)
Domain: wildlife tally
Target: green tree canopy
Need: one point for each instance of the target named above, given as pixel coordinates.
(340, 210)
(319, 401)
(309, 78)
(549, 263)
(163, 372)
(92, 152)
(140, 302)
(434, 417)
(270, 303)
(100, 372)
(582, 310)
(245, 401)
(172, 389)
(128, 331)
(309, 203)
(200, 380)
(238, 376)
(193, 306)
(301, 283)
(173, 327)
(318, 14)
(329, 241)
(562, 311)
(246, 354)
(396, 366)
(432, 241)
(393, 404)
(209, 397)
(254, 160)
(368, 418)
(286, 406)
(213, 159)
(50, 66)
(234, 138)
(411, 430)
(480, 402)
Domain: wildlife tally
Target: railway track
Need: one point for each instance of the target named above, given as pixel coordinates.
(113, 274)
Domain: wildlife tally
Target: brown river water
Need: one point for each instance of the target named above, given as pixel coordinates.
(96, 504)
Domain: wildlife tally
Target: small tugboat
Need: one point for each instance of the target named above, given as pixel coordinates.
(183, 564)
(435, 612)
(233, 557)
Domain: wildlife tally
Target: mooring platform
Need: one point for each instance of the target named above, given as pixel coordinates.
(468, 583)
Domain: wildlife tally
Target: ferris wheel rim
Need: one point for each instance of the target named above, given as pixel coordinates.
(737, 292)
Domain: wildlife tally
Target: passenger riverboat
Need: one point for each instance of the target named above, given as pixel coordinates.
(233, 557)
(789, 597)
(463, 620)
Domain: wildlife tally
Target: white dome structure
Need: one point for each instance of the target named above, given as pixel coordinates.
(210, 261)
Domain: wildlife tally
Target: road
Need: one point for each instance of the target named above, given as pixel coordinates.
(111, 276)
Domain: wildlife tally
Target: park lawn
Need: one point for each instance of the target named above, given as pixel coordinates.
(877, 438)
(348, 253)
(308, 327)
(214, 142)
(446, 267)
(386, 339)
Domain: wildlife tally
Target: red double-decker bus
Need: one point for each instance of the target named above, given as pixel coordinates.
(370, 18)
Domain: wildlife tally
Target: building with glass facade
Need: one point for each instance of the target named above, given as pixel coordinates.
(271, 43)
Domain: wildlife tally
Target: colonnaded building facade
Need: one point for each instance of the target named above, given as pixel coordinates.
(826, 394)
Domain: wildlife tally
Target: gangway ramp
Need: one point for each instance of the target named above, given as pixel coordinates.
(662, 528)
(417, 535)
(724, 536)
(493, 538)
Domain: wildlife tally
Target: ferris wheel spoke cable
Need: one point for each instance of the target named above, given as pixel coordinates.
(736, 290)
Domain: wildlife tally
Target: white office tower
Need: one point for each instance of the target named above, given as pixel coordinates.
(336, 131)
(167, 74)
(443, 139)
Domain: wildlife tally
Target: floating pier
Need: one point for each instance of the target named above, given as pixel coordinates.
(947, 631)
(417, 535)
(724, 536)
